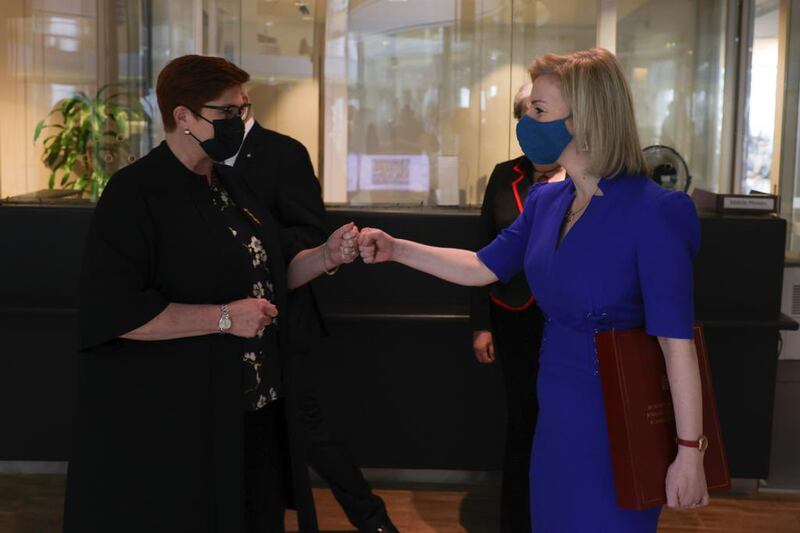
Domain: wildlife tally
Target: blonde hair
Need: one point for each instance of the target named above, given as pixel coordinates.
(594, 87)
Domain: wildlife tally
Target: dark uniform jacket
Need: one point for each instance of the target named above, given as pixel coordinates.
(502, 203)
(278, 170)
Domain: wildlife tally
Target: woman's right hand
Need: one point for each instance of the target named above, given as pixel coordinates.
(250, 316)
(375, 246)
(483, 344)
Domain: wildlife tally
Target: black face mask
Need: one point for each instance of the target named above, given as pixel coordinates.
(227, 139)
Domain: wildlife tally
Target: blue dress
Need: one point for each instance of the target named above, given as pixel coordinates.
(626, 263)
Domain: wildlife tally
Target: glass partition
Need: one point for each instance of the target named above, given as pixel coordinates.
(674, 56)
(399, 102)
(280, 49)
(50, 50)
(762, 97)
(427, 93)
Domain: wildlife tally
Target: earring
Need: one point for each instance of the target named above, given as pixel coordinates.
(186, 132)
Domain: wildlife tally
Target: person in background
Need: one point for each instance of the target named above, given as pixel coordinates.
(607, 248)
(278, 170)
(507, 325)
(186, 419)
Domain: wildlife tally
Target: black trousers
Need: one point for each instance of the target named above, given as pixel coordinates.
(328, 454)
(517, 339)
(267, 469)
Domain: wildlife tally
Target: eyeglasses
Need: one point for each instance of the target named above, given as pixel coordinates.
(230, 111)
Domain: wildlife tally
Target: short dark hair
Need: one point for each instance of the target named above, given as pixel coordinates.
(192, 81)
(518, 109)
(523, 94)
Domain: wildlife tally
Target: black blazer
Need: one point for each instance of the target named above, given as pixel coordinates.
(502, 203)
(158, 433)
(279, 171)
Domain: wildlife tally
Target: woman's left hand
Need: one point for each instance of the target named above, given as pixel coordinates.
(686, 481)
(341, 247)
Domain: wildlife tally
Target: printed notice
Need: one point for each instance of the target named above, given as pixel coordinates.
(741, 202)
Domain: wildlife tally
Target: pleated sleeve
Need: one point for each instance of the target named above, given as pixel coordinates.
(116, 293)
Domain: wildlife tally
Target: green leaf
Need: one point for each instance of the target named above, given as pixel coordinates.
(78, 118)
(51, 159)
(65, 137)
(123, 125)
(66, 109)
(38, 131)
(94, 122)
(51, 146)
(51, 183)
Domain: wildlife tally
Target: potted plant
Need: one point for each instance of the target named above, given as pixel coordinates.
(90, 139)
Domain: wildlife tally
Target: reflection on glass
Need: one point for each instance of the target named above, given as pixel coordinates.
(416, 95)
(173, 34)
(673, 54)
(407, 69)
(272, 40)
(761, 100)
(794, 229)
(49, 50)
(279, 50)
(47, 53)
(427, 92)
(222, 28)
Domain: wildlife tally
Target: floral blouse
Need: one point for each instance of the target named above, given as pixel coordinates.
(262, 364)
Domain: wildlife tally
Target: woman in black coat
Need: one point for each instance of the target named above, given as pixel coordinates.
(507, 325)
(186, 408)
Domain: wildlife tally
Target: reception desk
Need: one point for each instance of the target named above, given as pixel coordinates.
(402, 377)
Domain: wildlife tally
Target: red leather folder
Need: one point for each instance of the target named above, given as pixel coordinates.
(641, 419)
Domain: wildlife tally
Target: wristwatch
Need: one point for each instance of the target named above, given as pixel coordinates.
(701, 444)
(225, 319)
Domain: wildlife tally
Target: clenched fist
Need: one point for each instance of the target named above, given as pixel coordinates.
(375, 246)
(250, 316)
(341, 246)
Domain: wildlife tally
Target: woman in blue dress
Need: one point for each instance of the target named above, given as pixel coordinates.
(606, 248)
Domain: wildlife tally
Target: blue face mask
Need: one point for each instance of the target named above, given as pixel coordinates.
(543, 142)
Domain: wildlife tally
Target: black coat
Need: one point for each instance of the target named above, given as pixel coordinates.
(158, 435)
(502, 203)
(279, 171)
